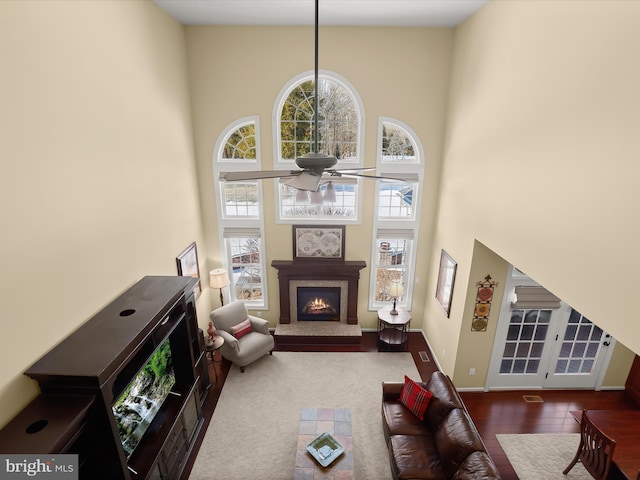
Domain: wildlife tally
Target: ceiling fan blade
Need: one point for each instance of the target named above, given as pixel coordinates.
(375, 177)
(306, 180)
(342, 170)
(257, 175)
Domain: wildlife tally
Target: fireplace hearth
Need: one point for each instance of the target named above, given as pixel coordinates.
(318, 303)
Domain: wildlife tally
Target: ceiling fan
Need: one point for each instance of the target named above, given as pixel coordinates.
(314, 166)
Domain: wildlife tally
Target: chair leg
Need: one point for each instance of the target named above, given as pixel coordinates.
(571, 465)
(270, 352)
(241, 369)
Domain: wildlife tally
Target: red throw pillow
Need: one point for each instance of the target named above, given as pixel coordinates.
(414, 397)
(241, 329)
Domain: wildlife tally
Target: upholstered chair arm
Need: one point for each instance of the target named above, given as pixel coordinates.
(259, 324)
(230, 342)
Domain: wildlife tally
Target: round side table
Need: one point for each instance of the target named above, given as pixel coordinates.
(210, 350)
(393, 330)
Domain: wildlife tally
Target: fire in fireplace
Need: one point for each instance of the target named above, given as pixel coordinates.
(318, 303)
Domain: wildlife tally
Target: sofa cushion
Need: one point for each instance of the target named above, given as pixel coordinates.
(241, 329)
(414, 457)
(455, 439)
(477, 466)
(398, 420)
(445, 398)
(414, 397)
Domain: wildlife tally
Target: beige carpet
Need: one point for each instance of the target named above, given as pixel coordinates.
(543, 456)
(253, 430)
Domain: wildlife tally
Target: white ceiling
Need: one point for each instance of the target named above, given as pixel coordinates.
(412, 13)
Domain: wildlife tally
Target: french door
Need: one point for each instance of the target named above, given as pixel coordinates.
(546, 348)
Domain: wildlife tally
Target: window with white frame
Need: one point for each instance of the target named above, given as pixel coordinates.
(396, 222)
(339, 133)
(240, 212)
(392, 258)
(243, 249)
(335, 198)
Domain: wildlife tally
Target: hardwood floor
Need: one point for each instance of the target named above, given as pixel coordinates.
(492, 412)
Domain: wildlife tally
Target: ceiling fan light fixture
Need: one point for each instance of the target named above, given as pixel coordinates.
(315, 198)
(330, 193)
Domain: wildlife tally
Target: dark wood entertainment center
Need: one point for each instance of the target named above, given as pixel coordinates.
(82, 376)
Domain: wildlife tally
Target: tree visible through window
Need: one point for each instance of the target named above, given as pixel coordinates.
(338, 121)
(241, 143)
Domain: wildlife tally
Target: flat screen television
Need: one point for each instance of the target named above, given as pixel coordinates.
(141, 400)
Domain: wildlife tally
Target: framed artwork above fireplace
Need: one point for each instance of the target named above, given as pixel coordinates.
(318, 242)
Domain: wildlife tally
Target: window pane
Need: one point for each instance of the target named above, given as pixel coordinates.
(240, 199)
(396, 200)
(241, 144)
(397, 145)
(532, 366)
(338, 121)
(393, 255)
(505, 366)
(295, 204)
(509, 349)
(246, 267)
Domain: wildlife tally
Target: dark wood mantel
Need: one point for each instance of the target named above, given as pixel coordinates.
(318, 270)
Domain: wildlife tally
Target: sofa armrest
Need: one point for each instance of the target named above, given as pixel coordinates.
(259, 324)
(391, 390)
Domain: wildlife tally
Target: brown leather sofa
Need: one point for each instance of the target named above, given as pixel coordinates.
(446, 445)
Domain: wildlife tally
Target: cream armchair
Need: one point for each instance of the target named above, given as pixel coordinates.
(249, 346)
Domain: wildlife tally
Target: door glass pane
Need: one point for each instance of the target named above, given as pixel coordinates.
(525, 341)
(580, 346)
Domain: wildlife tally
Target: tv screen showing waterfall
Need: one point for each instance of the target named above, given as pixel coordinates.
(136, 407)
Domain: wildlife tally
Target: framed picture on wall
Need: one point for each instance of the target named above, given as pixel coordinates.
(318, 242)
(446, 279)
(187, 263)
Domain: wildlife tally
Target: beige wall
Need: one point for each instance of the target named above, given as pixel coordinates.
(96, 167)
(541, 159)
(99, 186)
(400, 73)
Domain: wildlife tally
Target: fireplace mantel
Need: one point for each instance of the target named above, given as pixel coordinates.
(289, 270)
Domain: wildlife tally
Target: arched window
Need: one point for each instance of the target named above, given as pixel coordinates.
(339, 133)
(396, 213)
(240, 212)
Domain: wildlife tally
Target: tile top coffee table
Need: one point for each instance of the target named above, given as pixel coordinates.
(313, 423)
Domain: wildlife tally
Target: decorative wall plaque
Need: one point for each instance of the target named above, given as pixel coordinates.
(483, 304)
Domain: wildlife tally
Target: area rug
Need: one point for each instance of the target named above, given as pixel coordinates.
(543, 456)
(254, 428)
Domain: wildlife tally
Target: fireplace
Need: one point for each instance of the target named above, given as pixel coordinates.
(337, 276)
(318, 303)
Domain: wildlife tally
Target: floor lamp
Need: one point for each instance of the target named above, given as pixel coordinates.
(218, 278)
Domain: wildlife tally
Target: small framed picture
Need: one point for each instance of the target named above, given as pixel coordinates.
(187, 263)
(324, 242)
(446, 279)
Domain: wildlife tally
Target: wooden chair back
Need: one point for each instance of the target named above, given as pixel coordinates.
(595, 451)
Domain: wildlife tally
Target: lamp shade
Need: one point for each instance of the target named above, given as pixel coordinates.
(316, 197)
(396, 290)
(218, 278)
